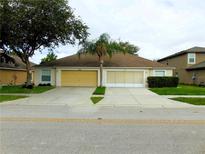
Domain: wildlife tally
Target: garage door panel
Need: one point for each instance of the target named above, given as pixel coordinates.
(129, 77)
(138, 77)
(119, 77)
(111, 77)
(125, 78)
(79, 78)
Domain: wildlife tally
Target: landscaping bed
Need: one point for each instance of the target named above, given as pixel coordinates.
(4, 98)
(180, 90)
(99, 91)
(98, 94)
(20, 89)
(95, 100)
(191, 100)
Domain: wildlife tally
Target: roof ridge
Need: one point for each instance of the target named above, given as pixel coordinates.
(196, 48)
(117, 60)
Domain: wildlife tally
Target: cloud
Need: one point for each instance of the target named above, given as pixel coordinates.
(158, 27)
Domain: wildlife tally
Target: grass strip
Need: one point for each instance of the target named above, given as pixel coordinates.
(4, 98)
(19, 89)
(191, 100)
(180, 90)
(95, 100)
(99, 91)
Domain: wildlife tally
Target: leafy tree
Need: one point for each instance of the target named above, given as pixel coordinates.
(27, 26)
(51, 56)
(132, 49)
(104, 46)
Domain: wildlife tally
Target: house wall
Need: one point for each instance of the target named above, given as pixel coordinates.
(146, 73)
(37, 76)
(12, 77)
(200, 76)
(200, 57)
(56, 73)
(181, 63)
(168, 72)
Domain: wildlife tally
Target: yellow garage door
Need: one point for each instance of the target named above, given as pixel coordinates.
(125, 78)
(79, 78)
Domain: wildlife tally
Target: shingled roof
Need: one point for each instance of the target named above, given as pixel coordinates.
(12, 62)
(191, 50)
(117, 60)
(198, 66)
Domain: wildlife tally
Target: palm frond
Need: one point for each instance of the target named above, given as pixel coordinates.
(104, 46)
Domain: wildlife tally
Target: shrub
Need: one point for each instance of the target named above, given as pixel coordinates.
(28, 86)
(44, 84)
(202, 84)
(159, 82)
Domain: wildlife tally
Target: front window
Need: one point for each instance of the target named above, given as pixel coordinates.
(159, 73)
(46, 76)
(191, 58)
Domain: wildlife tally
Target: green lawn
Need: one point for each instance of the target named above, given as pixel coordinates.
(95, 100)
(192, 100)
(99, 91)
(19, 89)
(4, 98)
(180, 90)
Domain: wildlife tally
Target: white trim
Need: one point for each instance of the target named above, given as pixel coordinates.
(188, 57)
(144, 78)
(121, 85)
(165, 73)
(58, 77)
(77, 69)
(98, 76)
(73, 67)
(147, 72)
(44, 82)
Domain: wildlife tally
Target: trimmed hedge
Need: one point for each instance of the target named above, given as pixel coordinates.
(44, 84)
(159, 82)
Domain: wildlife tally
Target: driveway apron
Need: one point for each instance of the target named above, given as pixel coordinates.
(70, 96)
(138, 97)
(79, 99)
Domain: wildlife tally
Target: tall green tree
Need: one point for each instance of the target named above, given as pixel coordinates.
(27, 26)
(132, 49)
(104, 46)
(51, 56)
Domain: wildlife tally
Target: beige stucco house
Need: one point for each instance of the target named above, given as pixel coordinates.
(189, 64)
(119, 71)
(12, 70)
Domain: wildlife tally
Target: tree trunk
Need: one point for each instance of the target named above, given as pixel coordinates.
(101, 72)
(28, 74)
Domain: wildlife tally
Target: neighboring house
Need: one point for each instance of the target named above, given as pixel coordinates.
(119, 71)
(190, 65)
(12, 70)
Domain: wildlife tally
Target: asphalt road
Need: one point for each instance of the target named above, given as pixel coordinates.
(81, 130)
(89, 137)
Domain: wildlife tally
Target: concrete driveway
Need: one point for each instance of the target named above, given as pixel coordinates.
(80, 97)
(138, 97)
(60, 96)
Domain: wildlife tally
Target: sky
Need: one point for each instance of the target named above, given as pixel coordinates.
(158, 27)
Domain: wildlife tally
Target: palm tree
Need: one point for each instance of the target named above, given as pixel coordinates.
(104, 46)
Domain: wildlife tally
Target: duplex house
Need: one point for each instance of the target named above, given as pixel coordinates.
(119, 71)
(12, 70)
(189, 64)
